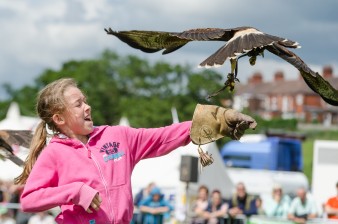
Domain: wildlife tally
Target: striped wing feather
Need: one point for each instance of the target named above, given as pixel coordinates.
(17, 137)
(13, 137)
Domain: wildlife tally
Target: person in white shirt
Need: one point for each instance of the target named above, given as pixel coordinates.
(302, 208)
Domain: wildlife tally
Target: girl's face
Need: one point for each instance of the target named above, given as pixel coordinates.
(76, 121)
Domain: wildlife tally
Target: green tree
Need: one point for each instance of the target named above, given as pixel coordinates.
(130, 86)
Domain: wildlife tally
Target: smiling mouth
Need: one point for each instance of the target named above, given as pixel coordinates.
(88, 119)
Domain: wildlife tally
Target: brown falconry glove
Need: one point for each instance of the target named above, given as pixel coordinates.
(210, 123)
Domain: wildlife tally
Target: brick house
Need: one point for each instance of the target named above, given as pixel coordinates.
(286, 98)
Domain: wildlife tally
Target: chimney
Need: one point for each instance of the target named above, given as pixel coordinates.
(327, 72)
(256, 78)
(279, 76)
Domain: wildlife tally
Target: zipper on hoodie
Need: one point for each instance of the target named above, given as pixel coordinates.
(89, 153)
(102, 178)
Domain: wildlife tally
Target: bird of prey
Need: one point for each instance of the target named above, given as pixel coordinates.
(8, 138)
(240, 42)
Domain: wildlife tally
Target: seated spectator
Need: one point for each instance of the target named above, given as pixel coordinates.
(141, 195)
(278, 204)
(302, 208)
(216, 210)
(331, 206)
(200, 205)
(41, 218)
(242, 203)
(154, 207)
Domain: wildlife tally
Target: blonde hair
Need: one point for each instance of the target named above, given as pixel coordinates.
(50, 101)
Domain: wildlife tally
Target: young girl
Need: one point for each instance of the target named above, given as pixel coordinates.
(86, 170)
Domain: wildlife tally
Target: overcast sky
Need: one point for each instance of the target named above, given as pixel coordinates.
(40, 34)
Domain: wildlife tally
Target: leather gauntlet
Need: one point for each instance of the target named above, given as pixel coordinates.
(210, 123)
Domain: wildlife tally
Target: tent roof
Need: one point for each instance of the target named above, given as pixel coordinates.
(14, 120)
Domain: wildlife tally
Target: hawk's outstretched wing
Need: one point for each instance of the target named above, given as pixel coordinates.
(8, 138)
(154, 41)
(313, 79)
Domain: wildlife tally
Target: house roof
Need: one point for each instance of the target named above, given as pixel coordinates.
(289, 87)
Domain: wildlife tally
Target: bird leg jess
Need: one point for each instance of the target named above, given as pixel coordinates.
(231, 79)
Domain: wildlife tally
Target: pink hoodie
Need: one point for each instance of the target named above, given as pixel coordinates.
(69, 173)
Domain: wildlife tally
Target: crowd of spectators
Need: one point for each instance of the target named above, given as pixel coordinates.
(213, 208)
(239, 207)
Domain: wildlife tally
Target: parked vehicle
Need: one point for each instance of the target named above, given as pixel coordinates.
(271, 153)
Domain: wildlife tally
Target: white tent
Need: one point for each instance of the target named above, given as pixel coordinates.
(14, 121)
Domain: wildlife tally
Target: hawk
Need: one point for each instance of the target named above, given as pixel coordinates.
(240, 42)
(9, 138)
